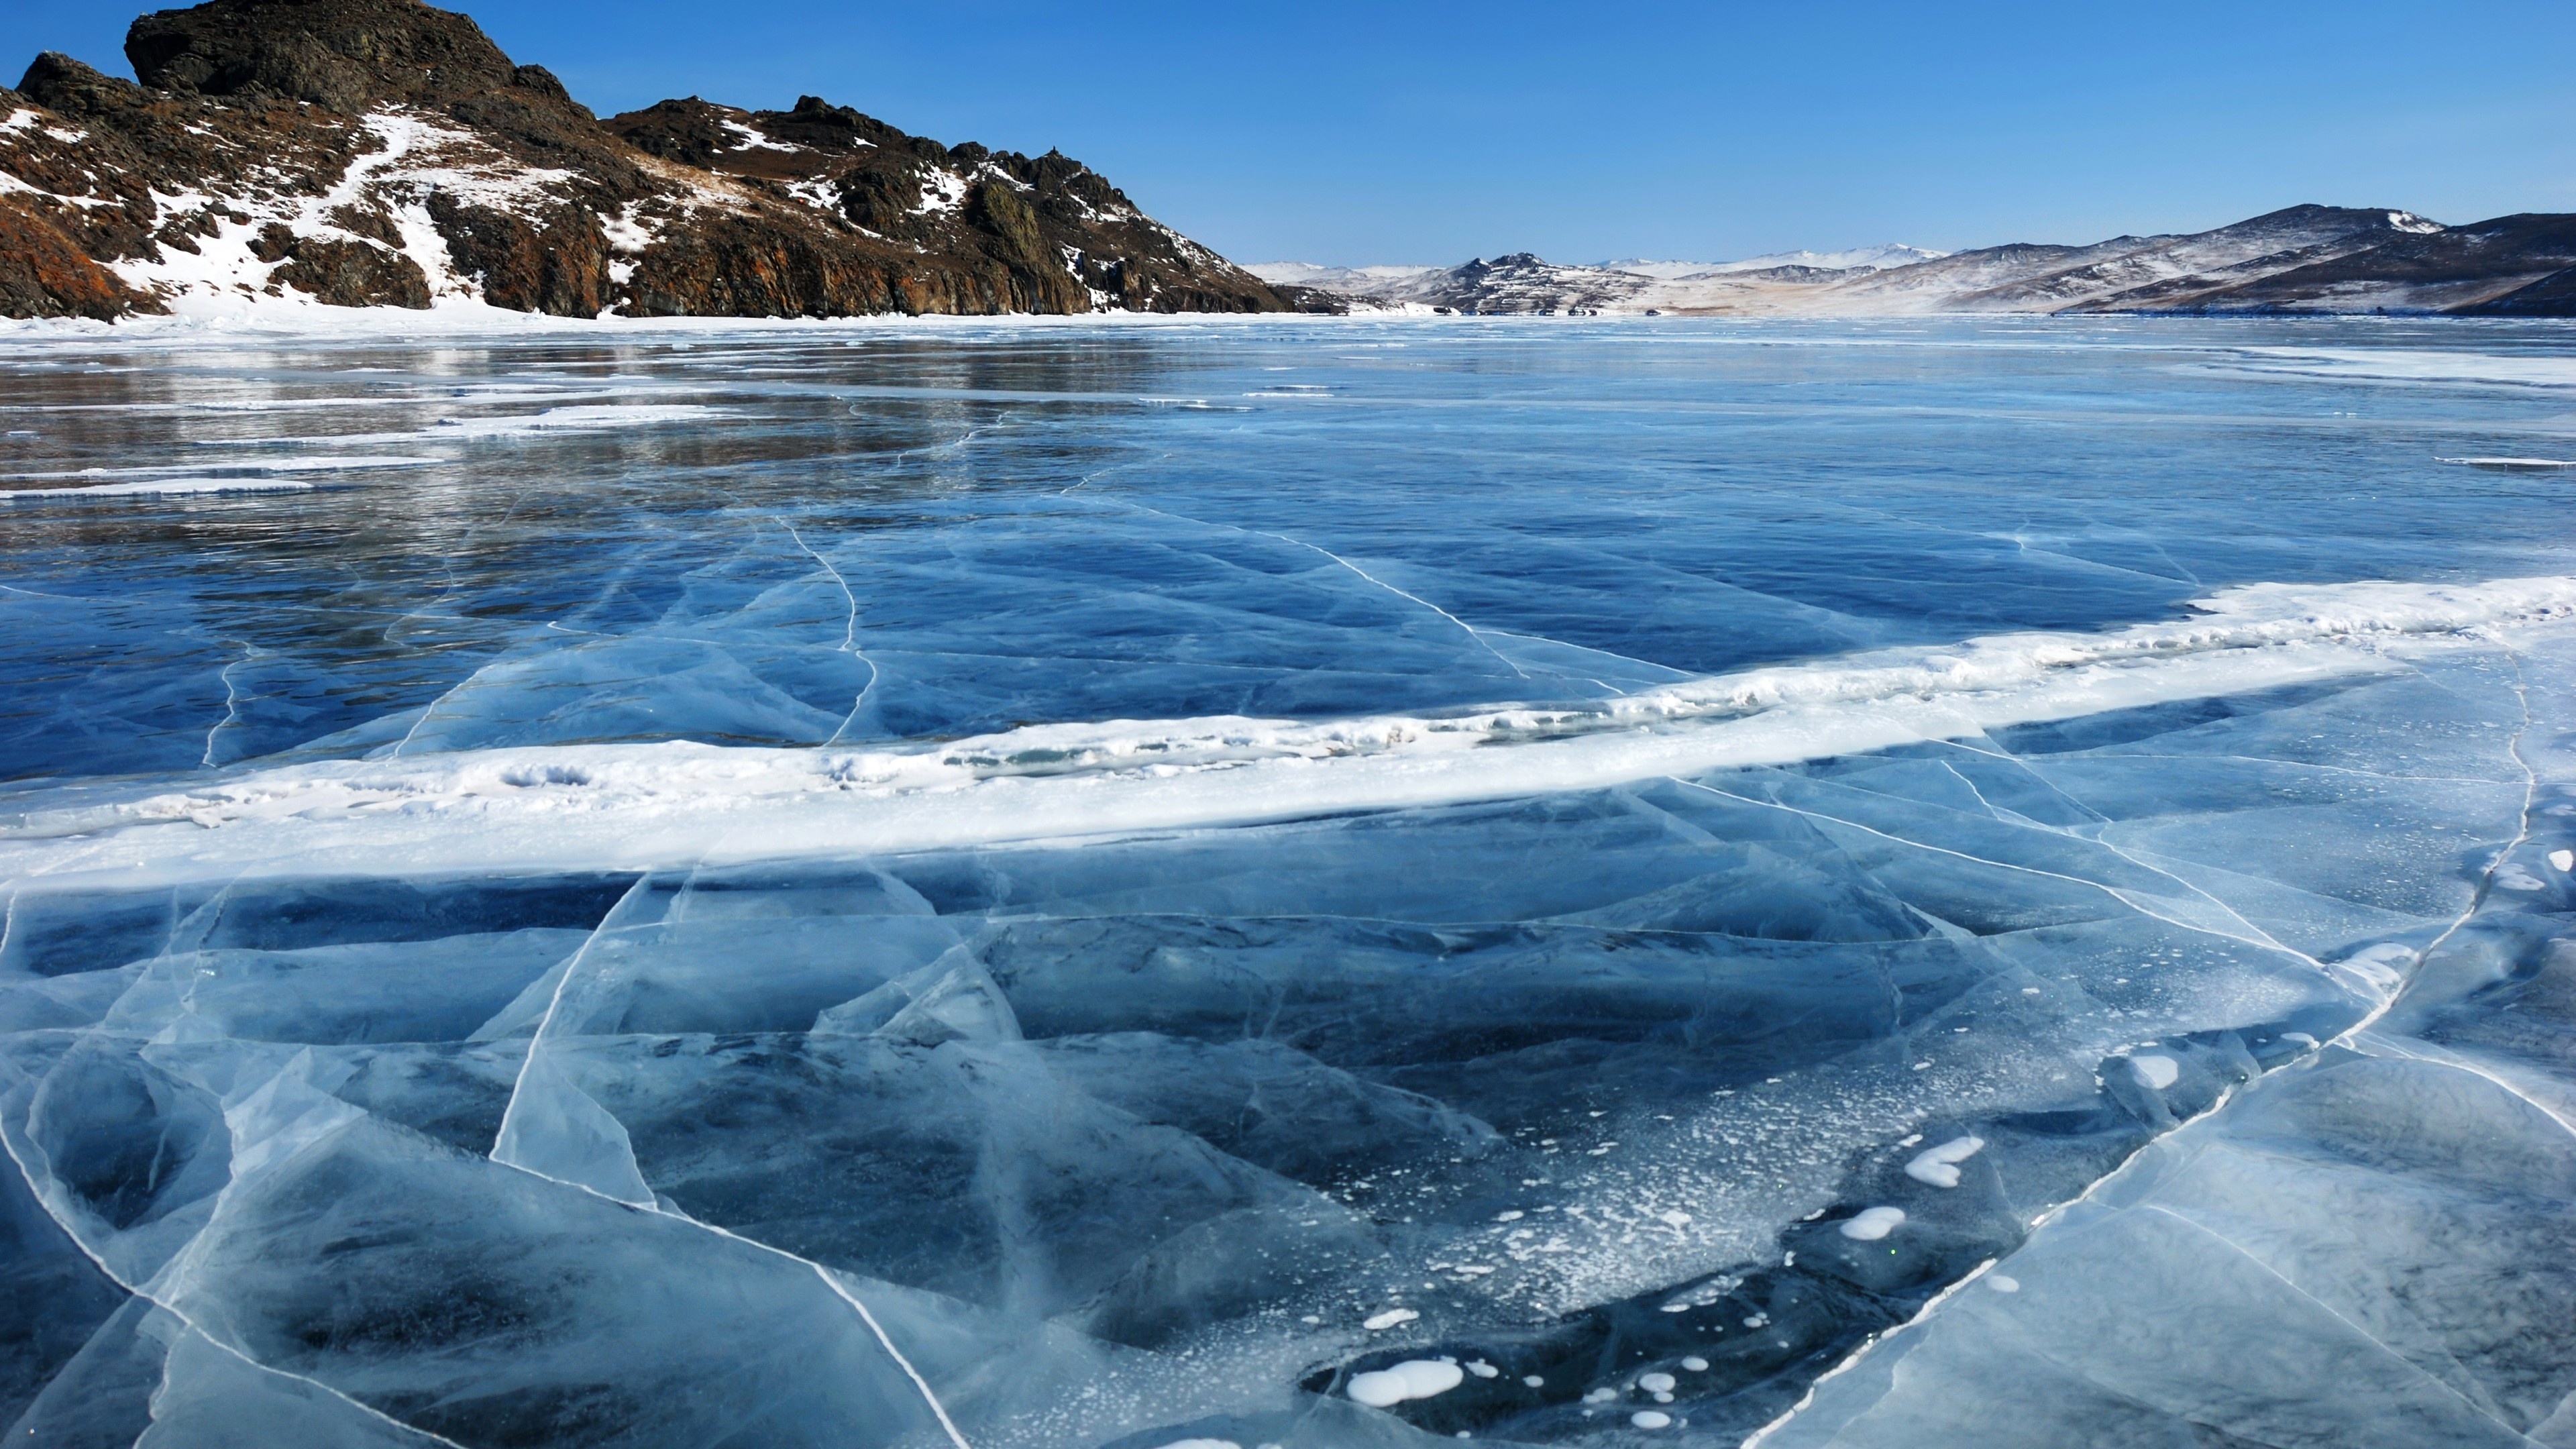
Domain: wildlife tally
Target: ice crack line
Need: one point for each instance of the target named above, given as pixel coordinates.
(1472, 631)
(928, 1396)
(2319, 1304)
(2260, 942)
(1930, 1309)
(2486, 878)
(232, 700)
(536, 1043)
(2531, 791)
(849, 635)
(2254, 933)
(8, 1144)
(1096, 474)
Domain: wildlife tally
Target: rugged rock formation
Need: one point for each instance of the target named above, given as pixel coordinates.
(383, 153)
(2303, 259)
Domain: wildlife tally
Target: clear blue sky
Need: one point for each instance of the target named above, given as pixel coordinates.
(1348, 133)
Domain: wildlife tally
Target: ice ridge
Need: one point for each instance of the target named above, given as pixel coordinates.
(648, 805)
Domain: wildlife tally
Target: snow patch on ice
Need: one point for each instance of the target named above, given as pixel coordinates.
(2156, 1072)
(1420, 1378)
(1872, 1224)
(1939, 1166)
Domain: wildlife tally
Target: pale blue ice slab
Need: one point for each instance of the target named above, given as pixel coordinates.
(1672, 1095)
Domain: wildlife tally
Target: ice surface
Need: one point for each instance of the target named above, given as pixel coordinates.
(916, 889)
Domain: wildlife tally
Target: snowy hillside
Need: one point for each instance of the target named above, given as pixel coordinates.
(383, 153)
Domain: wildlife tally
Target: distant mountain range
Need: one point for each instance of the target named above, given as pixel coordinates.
(2305, 259)
(383, 153)
(1890, 254)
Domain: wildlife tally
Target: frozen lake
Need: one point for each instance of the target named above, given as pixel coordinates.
(1301, 883)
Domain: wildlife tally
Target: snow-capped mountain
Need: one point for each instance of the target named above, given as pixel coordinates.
(1358, 281)
(384, 153)
(1887, 254)
(2300, 259)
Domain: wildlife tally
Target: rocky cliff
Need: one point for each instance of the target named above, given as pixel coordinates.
(384, 153)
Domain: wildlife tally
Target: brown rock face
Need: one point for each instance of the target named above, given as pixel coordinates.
(43, 274)
(344, 55)
(554, 262)
(354, 274)
(385, 153)
(947, 229)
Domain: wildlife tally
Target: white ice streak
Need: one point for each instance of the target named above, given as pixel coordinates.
(645, 805)
(254, 476)
(244, 467)
(583, 418)
(2414, 365)
(165, 487)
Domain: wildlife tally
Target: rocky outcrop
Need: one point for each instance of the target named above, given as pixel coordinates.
(385, 153)
(967, 229)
